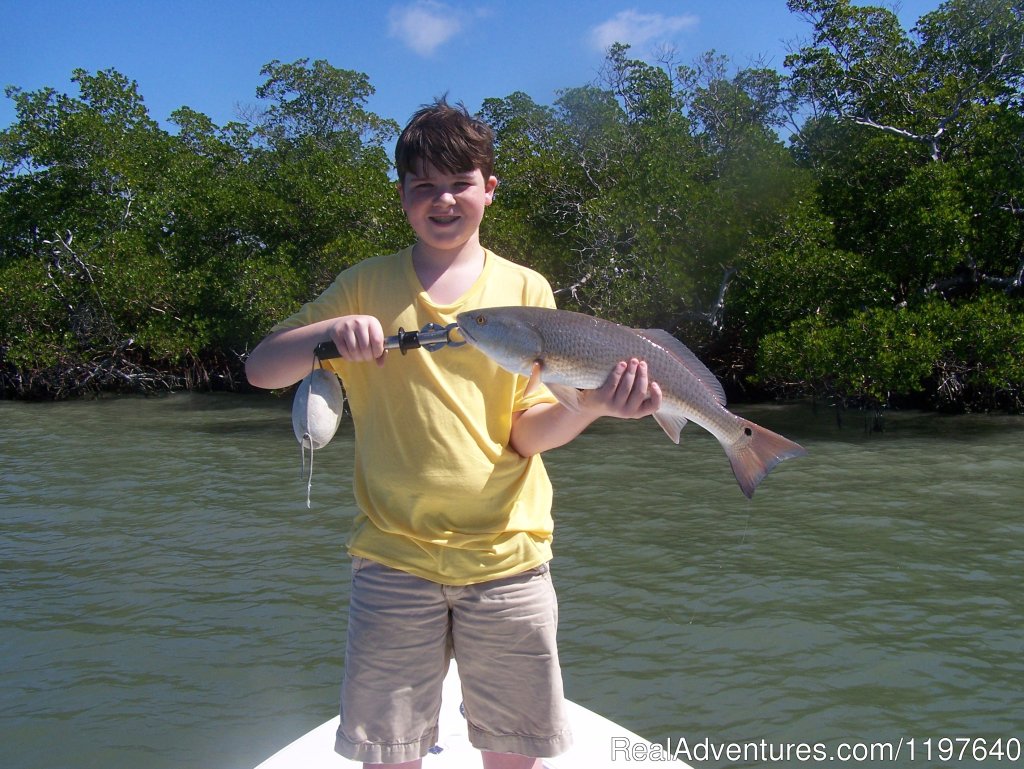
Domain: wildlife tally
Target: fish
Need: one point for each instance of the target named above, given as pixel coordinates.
(573, 351)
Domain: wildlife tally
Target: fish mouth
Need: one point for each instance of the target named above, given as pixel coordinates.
(464, 320)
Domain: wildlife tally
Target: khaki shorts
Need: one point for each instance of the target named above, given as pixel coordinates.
(402, 633)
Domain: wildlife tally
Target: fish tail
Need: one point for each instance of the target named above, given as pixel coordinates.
(756, 452)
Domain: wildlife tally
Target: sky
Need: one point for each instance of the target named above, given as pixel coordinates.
(207, 54)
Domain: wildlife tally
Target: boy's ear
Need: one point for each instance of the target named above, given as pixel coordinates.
(489, 187)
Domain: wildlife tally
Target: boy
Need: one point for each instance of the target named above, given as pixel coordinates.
(451, 544)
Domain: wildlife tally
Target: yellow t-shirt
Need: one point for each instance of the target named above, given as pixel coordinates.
(440, 493)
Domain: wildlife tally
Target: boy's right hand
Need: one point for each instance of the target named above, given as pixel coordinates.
(359, 338)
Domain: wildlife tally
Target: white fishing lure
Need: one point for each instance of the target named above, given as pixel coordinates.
(317, 408)
(316, 414)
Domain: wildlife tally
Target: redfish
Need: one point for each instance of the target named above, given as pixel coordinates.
(577, 352)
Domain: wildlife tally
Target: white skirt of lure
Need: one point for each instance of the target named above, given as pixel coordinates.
(317, 408)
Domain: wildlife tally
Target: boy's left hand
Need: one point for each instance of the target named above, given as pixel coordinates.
(627, 393)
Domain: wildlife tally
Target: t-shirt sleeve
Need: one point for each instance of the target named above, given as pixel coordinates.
(334, 302)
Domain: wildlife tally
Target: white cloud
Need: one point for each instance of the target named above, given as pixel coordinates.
(635, 28)
(423, 25)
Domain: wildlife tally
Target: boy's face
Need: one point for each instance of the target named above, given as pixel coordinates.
(445, 209)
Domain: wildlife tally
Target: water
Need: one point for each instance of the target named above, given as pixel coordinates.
(169, 601)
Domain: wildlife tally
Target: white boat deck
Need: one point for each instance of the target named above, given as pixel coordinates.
(597, 743)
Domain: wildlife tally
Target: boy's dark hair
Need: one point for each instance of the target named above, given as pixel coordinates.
(446, 137)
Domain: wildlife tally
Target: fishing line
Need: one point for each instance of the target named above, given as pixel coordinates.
(309, 478)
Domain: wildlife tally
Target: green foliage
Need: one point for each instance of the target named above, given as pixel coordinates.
(797, 271)
(915, 146)
(319, 103)
(528, 217)
(880, 257)
(637, 195)
(868, 356)
(133, 252)
(951, 354)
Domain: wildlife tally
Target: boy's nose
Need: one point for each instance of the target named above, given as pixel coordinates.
(446, 198)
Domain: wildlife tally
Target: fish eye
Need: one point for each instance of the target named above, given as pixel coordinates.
(481, 320)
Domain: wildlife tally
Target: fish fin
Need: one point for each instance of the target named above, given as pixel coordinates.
(661, 338)
(757, 452)
(672, 424)
(567, 395)
(535, 381)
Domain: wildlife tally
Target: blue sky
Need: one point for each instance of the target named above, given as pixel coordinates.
(207, 54)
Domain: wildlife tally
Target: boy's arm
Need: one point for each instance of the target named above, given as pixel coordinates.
(285, 356)
(627, 393)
